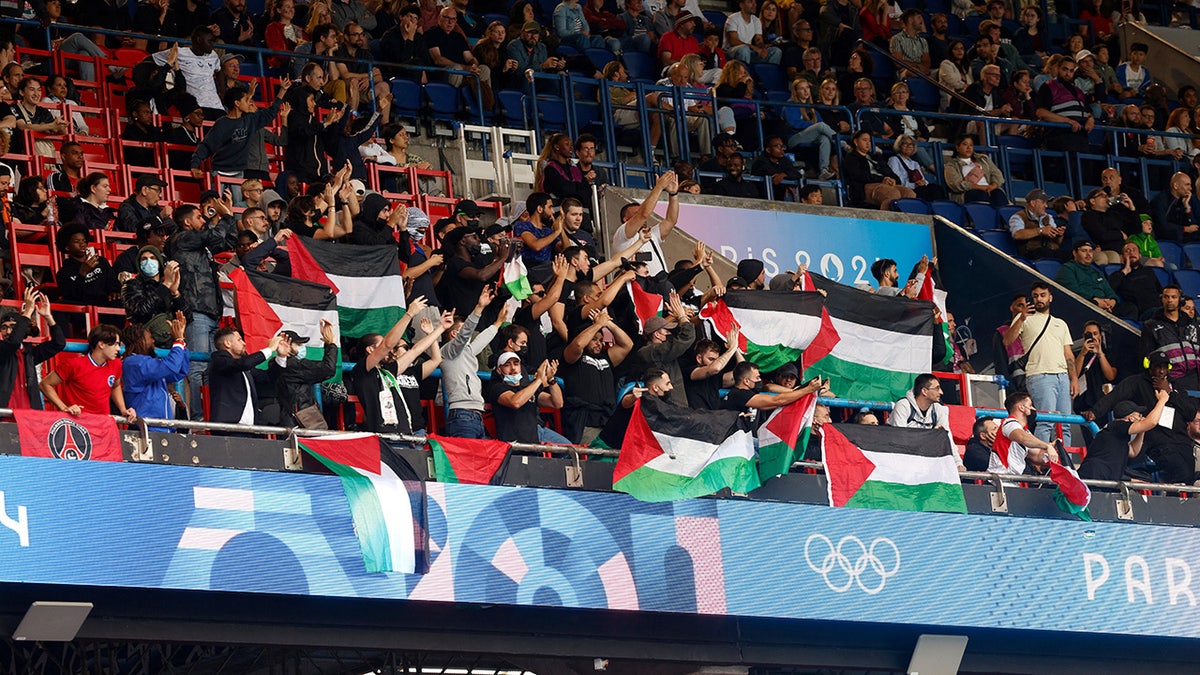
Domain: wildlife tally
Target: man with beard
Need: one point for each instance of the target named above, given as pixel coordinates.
(1059, 100)
(1015, 447)
(657, 383)
(464, 279)
(1135, 283)
(540, 232)
(588, 367)
(1050, 367)
(748, 383)
(1175, 334)
(1121, 439)
(922, 408)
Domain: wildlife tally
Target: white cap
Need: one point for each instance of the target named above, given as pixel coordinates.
(359, 187)
(506, 357)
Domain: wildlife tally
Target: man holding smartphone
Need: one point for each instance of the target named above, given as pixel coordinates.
(746, 394)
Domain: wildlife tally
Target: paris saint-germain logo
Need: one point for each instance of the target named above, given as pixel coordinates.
(68, 439)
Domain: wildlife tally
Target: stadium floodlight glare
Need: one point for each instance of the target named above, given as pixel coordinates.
(937, 655)
(47, 621)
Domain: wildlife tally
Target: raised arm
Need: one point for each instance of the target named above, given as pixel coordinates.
(643, 213)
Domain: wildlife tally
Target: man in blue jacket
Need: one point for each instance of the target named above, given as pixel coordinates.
(148, 379)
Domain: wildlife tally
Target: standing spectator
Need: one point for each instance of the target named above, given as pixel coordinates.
(233, 392)
(573, 30)
(1015, 447)
(516, 400)
(868, 180)
(1035, 231)
(1122, 439)
(1059, 100)
(1083, 278)
(228, 141)
(664, 348)
(84, 277)
(295, 375)
(464, 277)
(1136, 284)
(199, 64)
(1095, 371)
(152, 296)
(908, 45)
(148, 379)
(745, 394)
(1050, 366)
(589, 363)
(711, 372)
(462, 389)
(388, 375)
(541, 231)
(744, 36)
(1175, 335)
(18, 361)
(90, 380)
(305, 153)
(634, 217)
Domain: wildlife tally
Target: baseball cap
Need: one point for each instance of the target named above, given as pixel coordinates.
(230, 56)
(456, 235)
(656, 323)
(1081, 243)
(1126, 408)
(531, 27)
(506, 357)
(493, 230)
(469, 208)
(1083, 54)
(1037, 194)
(293, 337)
(781, 282)
(147, 180)
(359, 187)
(1158, 358)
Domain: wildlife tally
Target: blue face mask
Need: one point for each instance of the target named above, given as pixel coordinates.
(512, 379)
(149, 267)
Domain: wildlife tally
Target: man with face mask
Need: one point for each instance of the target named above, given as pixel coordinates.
(516, 399)
(657, 383)
(464, 279)
(388, 374)
(747, 387)
(294, 375)
(540, 233)
(152, 297)
(1050, 369)
(1015, 447)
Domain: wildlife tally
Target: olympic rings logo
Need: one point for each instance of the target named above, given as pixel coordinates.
(852, 562)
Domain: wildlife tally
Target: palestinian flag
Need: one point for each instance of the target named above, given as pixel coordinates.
(365, 279)
(515, 278)
(673, 453)
(645, 304)
(1073, 495)
(776, 328)
(885, 343)
(378, 497)
(269, 303)
(467, 460)
(883, 467)
(784, 436)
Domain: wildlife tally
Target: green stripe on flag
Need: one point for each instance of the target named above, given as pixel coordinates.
(442, 466)
(378, 320)
(649, 485)
(875, 494)
(771, 357)
(857, 381)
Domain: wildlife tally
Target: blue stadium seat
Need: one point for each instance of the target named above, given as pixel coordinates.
(1164, 277)
(407, 98)
(444, 102)
(512, 107)
(951, 211)
(908, 205)
(1109, 268)
(552, 113)
(1000, 240)
(924, 96)
(1047, 266)
(1005, 213)
(640, 66)
(715, 18)
(1189, 282)
(599, 57)
(1172, 253)
(983, 215)
(471, 103)
(1191, 252)
(770, 77)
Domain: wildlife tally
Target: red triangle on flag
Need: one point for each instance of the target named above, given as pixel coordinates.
(305, 266)
(717, 314)
(645, 304)
(846, 468)
(640, 445)
(962, 422)
(259, 321)
(822, 345)
(789, 421)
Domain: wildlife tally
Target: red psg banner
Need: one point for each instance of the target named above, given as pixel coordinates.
(57, 434)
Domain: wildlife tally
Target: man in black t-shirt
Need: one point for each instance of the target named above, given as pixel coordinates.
(656, 382)
(516, 398)
(1121, 439)
(464, 279)
(748, 382)
(588, 376)
(708, 375)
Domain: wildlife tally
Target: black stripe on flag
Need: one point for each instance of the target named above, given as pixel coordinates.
(710, 426)
(353, 260)
(292, 292)
(897, 314)
(898, 440)
(809, 304)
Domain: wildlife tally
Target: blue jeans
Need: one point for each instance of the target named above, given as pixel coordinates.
(820, 135)
(581, 42)
(199, 338)
(463, 423)
(79, 44)
(1051, 392)
(548, 435)
(745, 55)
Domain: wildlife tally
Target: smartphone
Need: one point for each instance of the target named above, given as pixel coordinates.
(91, 251)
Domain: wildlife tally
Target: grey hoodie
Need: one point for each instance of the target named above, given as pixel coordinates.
(461, 386)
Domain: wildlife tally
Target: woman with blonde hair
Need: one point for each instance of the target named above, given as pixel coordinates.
(830, 96)
(318, 13)
(697, 75)
(733, 116)
(808, 129)
(910, 124)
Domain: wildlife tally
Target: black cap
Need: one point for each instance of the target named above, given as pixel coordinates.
(456, 235)
(493, 230)
(293, 337)
(148, 180)
(468, 208)
(1157, 358)
(1081, 243)
(1126, 408)
(209, 194)
(787, 370)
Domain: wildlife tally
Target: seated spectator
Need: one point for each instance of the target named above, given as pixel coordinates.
(636, 30)
(1114, 185)
(987, 53)
(1083, 278)
(31, 203)
(698, 111)
(864, 99)
(775, 165)
(1176, 211)
(712, 57)
(876, 22)
(807, 128)
(908, 45)
(972, 177)
(1109, 221)
(979, 446)
(987, 97)
(448, 48)
(151, 298)
(1015, 448)
(30, 116)
(1096, 373)
(585, 153)
(405, 45)
(84, 277)
(625, 103)
(1147, 246)
(281, 35)
(1030, 40)
(908, 171)
(365, 80)
(1121, 439)
(1136, 284)
(868, 180)
(236, 25)
(590, 384)
(829, 96)
(744, 37)
(734, 116)
(86, 383)
(64, 180)
(573, 30)
(1018, 96)
(1132, 76)
(143, 205)
(517, 398)
(148, 380)
(733, 184)
(910, 124)
(1035, 231)
(232, 386)
(1180, 122)
(922, 408)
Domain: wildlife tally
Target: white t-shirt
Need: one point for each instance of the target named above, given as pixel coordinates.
(198, 70)
(746, 30)
(1016, 452)
(658, 262)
